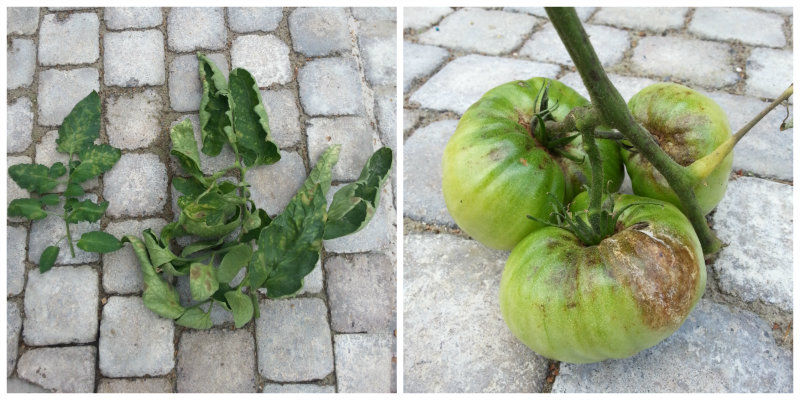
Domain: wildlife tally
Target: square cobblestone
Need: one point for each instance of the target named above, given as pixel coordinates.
(273, 186)
(63, 369)
(700, 62)
(319, 31)
(294, 340)
(736, 24)
(216, 361)
(133, 58)
(584, 13)
(132, 122)
(121, 270)
(266, 57)
(133, 340)
(374, 13)
(16, 240)
(13, 328)
(418, 18)
(361, 293)
(386, 114)
(252, 19)
(208, 164)
(297, 388)
(132, 17)
(363, 363)
(73, 40)
(19, 125)
(142, 385)
(22, 20)
(609, 43)
(195, 28)
(136, 186)
(21, 58)
(419, 61)
(357, 138)
(378, 43)
(769, 72)
(185, 88)
(59, 91)
(476, 30)
(378, 235)
(655, 19)
(330, 86)
(49, 231)
(61, 306)
(284, 117)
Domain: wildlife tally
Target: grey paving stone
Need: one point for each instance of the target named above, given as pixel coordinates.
(361, 293)
(61, 306)
(298, 388)
(422, 179)
(378, 43)
(208, 164)
(769, 72)
(627, 86)
(609, 43)
(700, 62)
(330, 86)
(132, 17)
(22, 20)
(136, 186)
(718, 349)
(13, 328)
(59, 91)
(765, 150)
(132, 122)
(294, 340)
(133, 58)
(251, 19)
(583, 12)
(142, 385)
(475, 351)
(386, 114)
(419, 61)
(477, 30)
(63, 369)
(374, 13)
(196, 28)
(48, 231)
(185, 87)
(16, 385)
(133, 340)
(21, 56)
(15, 259)
(121, 270)
(417, 18)
(733, 23)
(363, 363)
(446, 90)
(410, 119)
(757, 264)
(379, 234)
(13, 191)
(19, 125)
(319, 31)
(216, 361)
(266, 57)
(357, 137)
(778, 10)
(73, 40)
(284, 117)
(654, 19)
(273, 186)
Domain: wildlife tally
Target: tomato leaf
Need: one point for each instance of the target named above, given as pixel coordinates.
(48, 258)
(28, 208)
(237, 258)
(95, 160)
(188, 186)
(202, 281)
(98, 242)
(241, 306)
(81, 127)
(158, 295)
(195, 318)
(354, 205)
(86, 210)
(159, 253)
(50, 199)
(184, 147)
(264, 221)
(57, 170)
(74, 190)
(215, 113)
(250, 121)
(33, 177)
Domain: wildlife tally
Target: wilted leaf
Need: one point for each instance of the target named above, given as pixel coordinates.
(250, 122)
(202, 281)
(241, 307)
(158, 295)
(195, 318)
(184, 147)
(215, 114)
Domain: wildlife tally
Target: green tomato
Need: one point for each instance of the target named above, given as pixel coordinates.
(582, 304)
(688, 126)
(495, 173)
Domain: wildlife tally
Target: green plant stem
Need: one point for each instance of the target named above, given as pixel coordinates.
(614, 111)
(69, 181)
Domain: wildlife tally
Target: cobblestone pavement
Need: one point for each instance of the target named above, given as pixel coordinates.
(326, 75)
(738, 338)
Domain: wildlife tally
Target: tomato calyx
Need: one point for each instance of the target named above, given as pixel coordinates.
(543, 111)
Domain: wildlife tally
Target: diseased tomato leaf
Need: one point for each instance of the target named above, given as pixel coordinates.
(195, 318)
(99, 242)
(215, 114)
(184, 147)
(86, 210)
(158, 295)
(74, 190)
(234, 260)
(95, 160)
(188, 186)
(202, 281)
(241, 306)
(57, 170)
(81, 127)
(250, 121)
(33, 177)
(28, 208)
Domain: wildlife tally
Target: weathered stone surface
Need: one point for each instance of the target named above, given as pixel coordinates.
(63, 369)
(386, 114)
(363, 363)
(16, 385)
(718, 349)
(319, 31)
(284, 117)
(13, 328)
(203, 355)
(610, 45)
(49, 231)
(21, 56)
(377, 41)
(418, 18)
(700, 62)
(133, 340)
(361, 292)
(446, 90)
(298, 388)
(374, 13)
(132, 122)
(357, 138)
(769, 72)
(735, 24)
(22, 20)
(208, 164)
(121, 269)
(475, 351)
(59, 91)
(15, 259)
(656, 19)
(19, 125)
(273, 186)
(330, 86)
(142, 385)
(252, 19)
(185, 88)
(378, 235)
(266, 57)
(195, 28)
(132, 17)
(419, 61)
(73, 40)
(477, 30)
(583, 12)
(294, 340)
(136, 186)
(61, 306)
(124, 69)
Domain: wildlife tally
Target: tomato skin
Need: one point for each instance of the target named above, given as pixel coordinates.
(583, 304)
(495, 173)
(687, 125)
